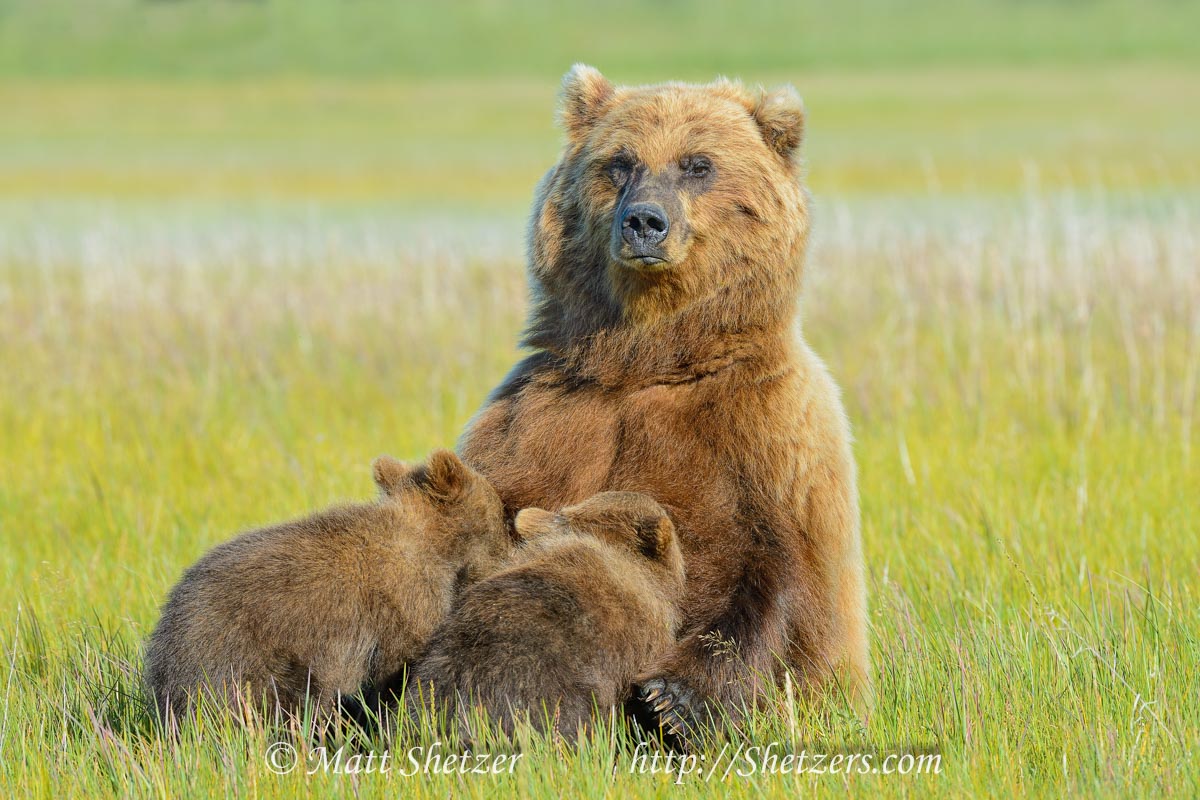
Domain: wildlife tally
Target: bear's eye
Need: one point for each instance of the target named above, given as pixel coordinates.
(619, 168)
(696, 167)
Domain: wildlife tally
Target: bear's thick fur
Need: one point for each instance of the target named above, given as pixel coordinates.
(588, 599)
(666, 250)
(319, 606)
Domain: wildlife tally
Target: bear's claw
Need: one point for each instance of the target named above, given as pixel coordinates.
(667, 707)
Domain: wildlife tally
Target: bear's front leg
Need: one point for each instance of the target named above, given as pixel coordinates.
(716, 673)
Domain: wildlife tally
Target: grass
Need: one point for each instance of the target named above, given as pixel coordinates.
(246, 247)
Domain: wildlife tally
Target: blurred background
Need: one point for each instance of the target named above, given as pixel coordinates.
(447, 106)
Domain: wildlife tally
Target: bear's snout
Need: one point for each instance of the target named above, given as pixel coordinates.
(644, 226)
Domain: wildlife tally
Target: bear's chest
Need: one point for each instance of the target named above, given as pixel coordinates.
(554, 448)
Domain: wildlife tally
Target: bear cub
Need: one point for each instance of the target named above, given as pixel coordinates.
(589, 600)
(319, 606)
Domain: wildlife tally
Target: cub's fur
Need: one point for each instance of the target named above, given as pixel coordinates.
(587, 602)
(318, 606)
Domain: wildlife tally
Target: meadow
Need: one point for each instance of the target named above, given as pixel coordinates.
(231, 276)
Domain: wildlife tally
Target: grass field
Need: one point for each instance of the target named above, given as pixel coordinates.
(252, 247)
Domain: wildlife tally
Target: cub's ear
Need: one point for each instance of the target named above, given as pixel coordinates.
(585, 94)
(655, 535)
(444, 476)
(392, 475)
(533, 522)
(779, 114)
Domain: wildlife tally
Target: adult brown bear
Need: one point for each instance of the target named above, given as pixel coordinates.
(666, 250)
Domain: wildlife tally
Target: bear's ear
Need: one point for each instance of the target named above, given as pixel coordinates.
(655, 535)
(585, 93)
(533, 522)
(392, 475)
(444, 476)
(779, 114)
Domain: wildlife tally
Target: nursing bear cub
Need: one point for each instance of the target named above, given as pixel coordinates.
(588, 600)
(321, 606)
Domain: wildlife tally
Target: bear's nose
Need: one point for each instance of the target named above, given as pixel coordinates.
(645, 225)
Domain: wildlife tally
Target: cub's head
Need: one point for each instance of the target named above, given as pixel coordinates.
(630, 521)
(452, 503)
(668, 194)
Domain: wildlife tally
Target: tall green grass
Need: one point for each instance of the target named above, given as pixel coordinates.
(1021, 375)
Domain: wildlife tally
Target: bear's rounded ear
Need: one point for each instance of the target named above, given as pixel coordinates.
(391, 475)
(533, 522)
(585, 94)
(444, 475)
(655, 535)
(779, 114)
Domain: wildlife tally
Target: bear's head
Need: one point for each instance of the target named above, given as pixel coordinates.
(455, 505)
(668, 199)
(631, 522)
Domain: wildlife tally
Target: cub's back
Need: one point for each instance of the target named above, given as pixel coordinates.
(568, 615)
(260, 605)
(319, 558)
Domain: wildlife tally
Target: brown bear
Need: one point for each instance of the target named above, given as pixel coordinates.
(666, 251)
(588, 600)
(319, 606)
